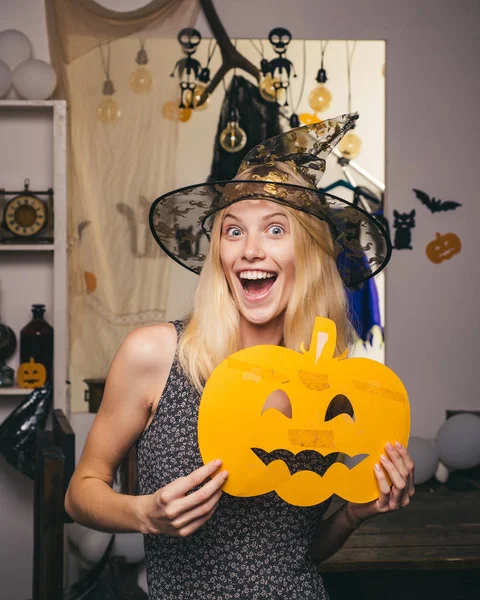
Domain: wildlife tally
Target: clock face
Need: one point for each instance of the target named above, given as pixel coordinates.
(25, 215)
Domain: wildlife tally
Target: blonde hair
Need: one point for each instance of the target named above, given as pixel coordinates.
(318, 291)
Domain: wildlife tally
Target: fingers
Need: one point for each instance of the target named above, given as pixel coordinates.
(181, 486)
(197, 513)
(194, 525)
(399, 468)
(383, 486)
(199, 497)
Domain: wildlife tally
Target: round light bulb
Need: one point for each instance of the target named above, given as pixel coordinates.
(350, 145)
(141, 80)
(233, 138)
(268, 91)
(172, 112)
(108, 111)
(194, 103)
(320, 98)
(308, 118)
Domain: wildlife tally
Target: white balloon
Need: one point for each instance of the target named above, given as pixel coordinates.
(458, 441)
(442, 473)
(129, 545)
(425, 458)
(90, 544)
(34, 80)
(5, 79)
(15, 47)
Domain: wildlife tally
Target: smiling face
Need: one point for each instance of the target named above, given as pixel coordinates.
(257, 257)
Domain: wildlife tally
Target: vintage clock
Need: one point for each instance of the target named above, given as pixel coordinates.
(26, 217)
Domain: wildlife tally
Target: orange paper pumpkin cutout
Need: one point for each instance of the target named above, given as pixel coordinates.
(31, 375)
(443, 247)
(275, 400)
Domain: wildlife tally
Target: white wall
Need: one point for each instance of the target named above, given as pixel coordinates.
(431, 144)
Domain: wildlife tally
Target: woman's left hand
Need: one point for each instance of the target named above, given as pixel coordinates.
(398, 465)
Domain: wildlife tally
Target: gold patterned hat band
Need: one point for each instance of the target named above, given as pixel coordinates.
(285, 169)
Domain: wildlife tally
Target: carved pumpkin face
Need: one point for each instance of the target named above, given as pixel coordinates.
(269, 414)
(31, 375)
(443, 247)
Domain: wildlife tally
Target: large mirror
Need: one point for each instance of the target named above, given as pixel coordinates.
(356, 81)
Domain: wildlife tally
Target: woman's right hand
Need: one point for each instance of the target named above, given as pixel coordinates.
(171, 510)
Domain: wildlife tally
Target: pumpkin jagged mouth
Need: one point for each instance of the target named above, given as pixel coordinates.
(309, 460)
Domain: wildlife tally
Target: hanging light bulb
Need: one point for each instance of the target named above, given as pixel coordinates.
(194, 100)
(308, 118)
(320, 97)
(350, 145)
(269, 90)
(172, 112)
(233, 138)
(141, 80)
(108, 111)
(294, 121)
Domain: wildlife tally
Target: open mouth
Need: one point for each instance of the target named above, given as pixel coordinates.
(257, 283)
(309, 460)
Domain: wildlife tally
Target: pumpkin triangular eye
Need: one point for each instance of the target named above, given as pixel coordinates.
(280, 401)
(340, 404)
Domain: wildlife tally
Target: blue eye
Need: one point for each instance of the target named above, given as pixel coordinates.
(276, 230)
(233, 232)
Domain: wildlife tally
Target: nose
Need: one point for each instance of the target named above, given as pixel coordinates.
(253, 248)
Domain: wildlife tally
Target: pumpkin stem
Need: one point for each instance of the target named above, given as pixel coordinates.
(324, 339)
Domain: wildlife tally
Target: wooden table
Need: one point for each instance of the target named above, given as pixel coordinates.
(431, 549)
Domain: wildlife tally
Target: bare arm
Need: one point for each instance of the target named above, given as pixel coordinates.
(135, 382)
(334, 531)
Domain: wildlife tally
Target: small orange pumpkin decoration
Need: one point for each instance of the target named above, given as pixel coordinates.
(31, 375)
(443, 247)
(256, 436)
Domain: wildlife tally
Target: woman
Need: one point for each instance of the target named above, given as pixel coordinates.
(281, 253)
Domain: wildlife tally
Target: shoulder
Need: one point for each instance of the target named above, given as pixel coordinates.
(149, 348)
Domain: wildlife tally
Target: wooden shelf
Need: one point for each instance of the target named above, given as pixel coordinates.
(26, 247)
(31, 103)
(15, 391)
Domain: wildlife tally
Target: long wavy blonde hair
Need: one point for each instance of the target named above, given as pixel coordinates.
(212, 332)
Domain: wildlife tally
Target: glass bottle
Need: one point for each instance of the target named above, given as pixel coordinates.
(36, 340)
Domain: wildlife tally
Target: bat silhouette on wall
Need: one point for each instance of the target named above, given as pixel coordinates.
(433, 204)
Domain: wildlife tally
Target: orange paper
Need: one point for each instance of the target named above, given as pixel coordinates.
(268, 399)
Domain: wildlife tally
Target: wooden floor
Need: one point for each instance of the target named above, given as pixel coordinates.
(429, 550)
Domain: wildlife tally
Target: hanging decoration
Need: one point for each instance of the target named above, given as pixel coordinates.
(403, 224)
(295, 120)
(351, 144)
(108, 111)
(267, 84)
(433, 204)
(280, 68)
(189, 70)
(141, 80)
(320, 97)
(233, 138)
(443, 247)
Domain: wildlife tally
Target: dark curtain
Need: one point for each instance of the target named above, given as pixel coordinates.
(259, 119)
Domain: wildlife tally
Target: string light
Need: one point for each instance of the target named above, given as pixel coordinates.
(351, 144)
(108, 111)
(141, 80)
(320, 97)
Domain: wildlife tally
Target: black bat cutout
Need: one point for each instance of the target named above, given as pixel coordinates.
(433, 204)
(306, 460)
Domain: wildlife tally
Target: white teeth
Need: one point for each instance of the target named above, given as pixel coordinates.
(256, 275)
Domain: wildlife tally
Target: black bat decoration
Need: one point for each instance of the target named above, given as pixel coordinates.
(305, 460)
(433, 204)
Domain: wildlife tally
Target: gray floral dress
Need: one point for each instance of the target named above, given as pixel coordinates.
(251, 549)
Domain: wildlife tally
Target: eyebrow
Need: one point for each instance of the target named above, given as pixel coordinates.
(265, 218)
